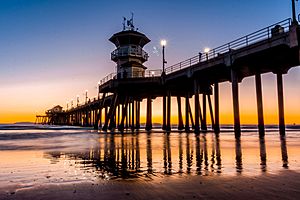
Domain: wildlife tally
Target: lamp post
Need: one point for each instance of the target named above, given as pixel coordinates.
(86, 96)
(206, 51)
(67, 105)
(71, 103)
(163, 44)
(294, 19)
(98, 90)
(77, 99)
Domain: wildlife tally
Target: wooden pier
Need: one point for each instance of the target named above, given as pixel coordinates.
(272, 49)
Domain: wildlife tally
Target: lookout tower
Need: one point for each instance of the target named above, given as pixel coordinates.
(129, 54)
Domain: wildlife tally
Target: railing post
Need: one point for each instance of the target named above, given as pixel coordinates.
(200, 55)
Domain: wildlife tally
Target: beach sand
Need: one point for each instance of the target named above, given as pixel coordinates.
(284, 185)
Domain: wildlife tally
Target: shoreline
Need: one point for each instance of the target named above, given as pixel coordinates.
(284, 185)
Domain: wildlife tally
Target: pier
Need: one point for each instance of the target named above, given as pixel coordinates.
(274, 48)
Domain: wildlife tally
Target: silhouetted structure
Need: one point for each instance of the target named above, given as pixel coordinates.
(272, 49)
(54, 116)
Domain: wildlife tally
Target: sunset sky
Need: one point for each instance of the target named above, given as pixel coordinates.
(53, 50)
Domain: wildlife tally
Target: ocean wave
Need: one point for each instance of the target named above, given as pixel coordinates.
(39, 127)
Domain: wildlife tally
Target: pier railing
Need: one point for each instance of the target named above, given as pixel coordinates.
(147, 73)
(107, 78)
(262, 34)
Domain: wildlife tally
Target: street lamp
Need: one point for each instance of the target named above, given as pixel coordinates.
(294, 19)
(206, 50)
(163, 43)
(86, 95)
(67, 105)
(98, 90)
(71, 103)
(77, 99)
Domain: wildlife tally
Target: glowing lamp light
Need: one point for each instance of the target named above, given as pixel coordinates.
(206, 50)
(152, 72)
(163, 43)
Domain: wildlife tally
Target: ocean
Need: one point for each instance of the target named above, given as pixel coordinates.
(33, 155)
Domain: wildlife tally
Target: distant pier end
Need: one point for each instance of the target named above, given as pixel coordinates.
(53, 116)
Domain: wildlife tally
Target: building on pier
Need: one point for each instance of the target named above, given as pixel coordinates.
(129, 54)
(53, 116)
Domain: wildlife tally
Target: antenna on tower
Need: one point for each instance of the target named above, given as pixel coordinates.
(128, 24)
(132, 20)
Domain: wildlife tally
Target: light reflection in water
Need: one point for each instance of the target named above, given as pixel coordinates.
(139, 155)
(238, 155)
(284, 152)
(263, 154)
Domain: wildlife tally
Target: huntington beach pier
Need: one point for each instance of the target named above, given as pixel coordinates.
(274, 48)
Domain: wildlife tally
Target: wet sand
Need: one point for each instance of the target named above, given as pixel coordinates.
(84, 164)
(284, 185)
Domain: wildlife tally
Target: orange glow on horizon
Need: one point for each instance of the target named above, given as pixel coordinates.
(22, 102)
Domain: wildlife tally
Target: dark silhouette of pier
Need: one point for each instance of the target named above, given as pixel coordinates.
(272, 49)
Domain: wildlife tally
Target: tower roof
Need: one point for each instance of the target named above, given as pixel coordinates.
(129, 37)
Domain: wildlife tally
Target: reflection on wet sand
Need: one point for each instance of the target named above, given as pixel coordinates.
(144, 155)
(263, 154)
(238, 155)
(284, 151)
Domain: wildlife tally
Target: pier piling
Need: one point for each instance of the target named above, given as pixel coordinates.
(235, 101)
(216, 98)
(187, 120)
(260, 114)
(180, 121)
(168, 127)
(280, 104)
(197, 107)
(149, 114)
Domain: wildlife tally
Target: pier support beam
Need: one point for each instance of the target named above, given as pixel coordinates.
(86, 117)
(235, 100)
(260, 114)
(105, 113)
(118, 116)
(197, 117)
(216, 98)
(280, 104)
(191, 116)
(164, 112)
(137, 118)
(124, 113)
(187, 120)
(96, 125)
(129, 114)
(132, 115)
(149, 114)
(180, 121)
(168, 127)
(111, 114)
(204, 121)
(211, 112)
